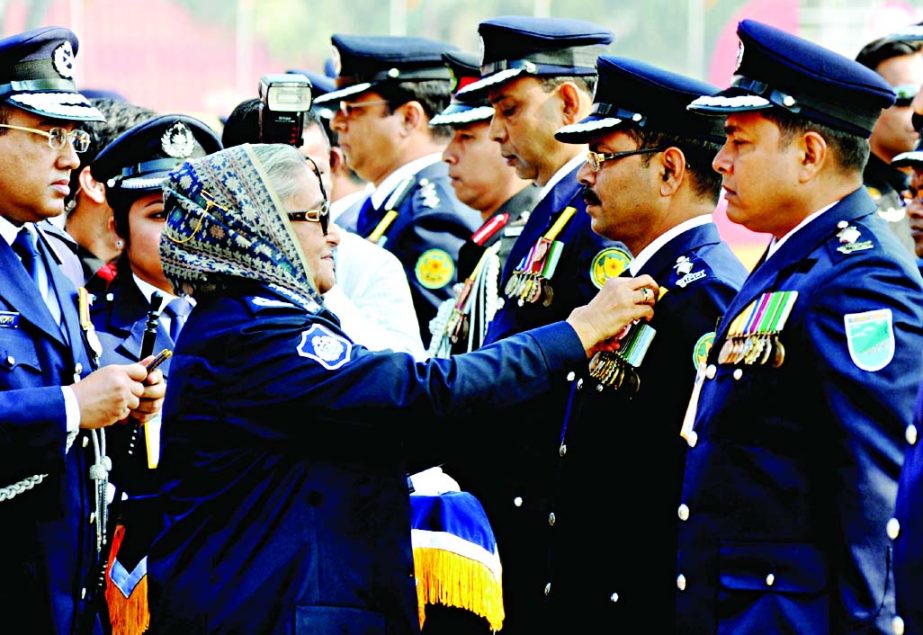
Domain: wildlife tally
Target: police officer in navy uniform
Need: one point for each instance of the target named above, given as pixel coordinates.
(390, 88)
(539, 75)
(907, 528)
(139, 304)
(797, 430)
(132, 168)
(649, 183)
(54, 402)
(483, 181)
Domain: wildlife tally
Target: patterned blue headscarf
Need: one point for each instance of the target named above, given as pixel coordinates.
(224, 220)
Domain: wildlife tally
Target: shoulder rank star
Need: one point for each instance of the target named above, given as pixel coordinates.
(428, 194)
(849, 239)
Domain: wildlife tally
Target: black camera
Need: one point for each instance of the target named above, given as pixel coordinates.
(285, 98)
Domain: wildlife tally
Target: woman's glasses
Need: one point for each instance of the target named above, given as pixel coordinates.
(321, 215)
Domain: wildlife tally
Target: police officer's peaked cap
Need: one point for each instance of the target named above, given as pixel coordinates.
(779, 70)
(542, 47)
(139, 159)
(466, 69)
(37, 75)
(365, 62)
(632, 93)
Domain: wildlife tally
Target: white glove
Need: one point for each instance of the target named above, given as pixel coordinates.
(432, 482)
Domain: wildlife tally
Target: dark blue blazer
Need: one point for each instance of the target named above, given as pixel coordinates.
(572, 282)
(511, 471)
(908, 543)
(429, 218)
(612, 547)
(791, 485)
(120, 317)
(50, 558)
(283, 466)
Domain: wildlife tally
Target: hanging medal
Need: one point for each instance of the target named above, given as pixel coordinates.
(618, 369)
(530, 282)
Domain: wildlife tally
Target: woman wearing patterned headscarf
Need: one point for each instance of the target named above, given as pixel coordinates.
(283, 441)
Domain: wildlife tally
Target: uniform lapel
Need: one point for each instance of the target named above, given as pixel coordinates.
(130, 315)
(20, 291)
(64, 291)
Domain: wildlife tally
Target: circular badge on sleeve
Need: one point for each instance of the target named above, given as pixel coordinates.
(701, 348)
(608, 263)
(434, 269)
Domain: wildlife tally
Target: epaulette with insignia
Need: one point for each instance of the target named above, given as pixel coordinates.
(427, 193)
(849, 239)
(259, 303)
(688, 270)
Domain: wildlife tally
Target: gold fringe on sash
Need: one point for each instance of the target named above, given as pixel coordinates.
(444, 577)
(128, 615)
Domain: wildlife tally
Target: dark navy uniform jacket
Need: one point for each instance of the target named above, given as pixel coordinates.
(430, 228)
(788, 492)
(120, 317)
(511, 471)
(620, 457)
(907, 530)
(283, 465)
(49, 560)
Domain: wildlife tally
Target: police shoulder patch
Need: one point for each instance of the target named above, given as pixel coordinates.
(687, 270)
(325, 347)
(848, 239)
(608, 263)
(434, 269)
(870, 338)
(701, 348)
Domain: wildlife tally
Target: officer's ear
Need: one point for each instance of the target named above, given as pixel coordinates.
(412, 116)
(90, 187)
(672, 167)
(570, 102)
(813, 153)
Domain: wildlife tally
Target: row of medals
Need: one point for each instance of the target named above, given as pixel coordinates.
(757, 349)
(529, 288)
(612, 370)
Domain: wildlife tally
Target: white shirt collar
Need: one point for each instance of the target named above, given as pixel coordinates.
(391, 181)
(9, 231)
(147, 290)
(343, 203)
(648, 252)
(775, 245)
(563, 171)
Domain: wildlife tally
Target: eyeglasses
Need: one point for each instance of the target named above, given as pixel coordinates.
(58, 137)
(905, 94)
(596, 159)
(321, 216)
(347, 108)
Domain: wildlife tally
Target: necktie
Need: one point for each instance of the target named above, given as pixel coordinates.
(364, 217)
(177, 310)
(24, 246)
